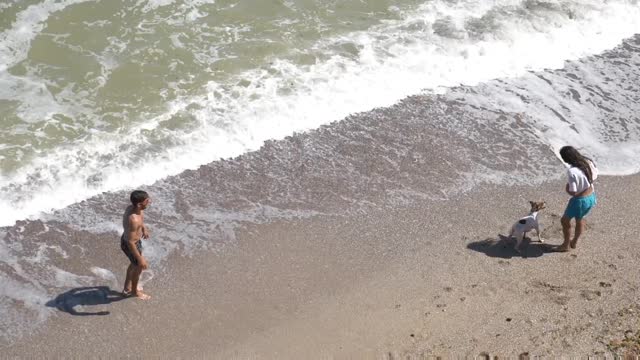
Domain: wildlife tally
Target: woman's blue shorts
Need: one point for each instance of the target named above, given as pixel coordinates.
(579, 207)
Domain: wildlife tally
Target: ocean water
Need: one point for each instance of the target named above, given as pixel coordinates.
(108, 95)
(232, 112)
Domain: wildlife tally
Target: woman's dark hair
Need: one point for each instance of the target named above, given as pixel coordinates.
(138, 196)
(572, 157)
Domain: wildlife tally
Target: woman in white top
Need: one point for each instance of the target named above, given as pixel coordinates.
(581, 174)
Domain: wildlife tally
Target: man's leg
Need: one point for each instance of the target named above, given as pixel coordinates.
(134, 283)
(566, 232)
(128, 279)
(580, 225)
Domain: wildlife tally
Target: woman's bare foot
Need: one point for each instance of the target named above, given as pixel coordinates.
(562, 249)
(574, 243)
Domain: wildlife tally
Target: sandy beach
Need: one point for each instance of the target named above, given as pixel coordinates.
(379, 236)
(432, 279)
(328, 181)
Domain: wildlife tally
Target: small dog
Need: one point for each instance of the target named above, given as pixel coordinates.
(521, 227)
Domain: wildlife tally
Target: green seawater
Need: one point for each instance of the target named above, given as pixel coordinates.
(78, 70)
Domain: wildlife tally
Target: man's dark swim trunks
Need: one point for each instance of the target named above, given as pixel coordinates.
(125, 248)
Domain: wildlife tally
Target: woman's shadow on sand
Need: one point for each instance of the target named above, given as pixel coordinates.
(503, 247)
(84, 297)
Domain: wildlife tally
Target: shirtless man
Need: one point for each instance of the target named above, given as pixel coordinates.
(131, 243)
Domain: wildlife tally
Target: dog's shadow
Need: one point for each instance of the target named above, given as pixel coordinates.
(503, 247)
(85, 298)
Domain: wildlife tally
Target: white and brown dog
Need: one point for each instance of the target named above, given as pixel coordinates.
(521, 227)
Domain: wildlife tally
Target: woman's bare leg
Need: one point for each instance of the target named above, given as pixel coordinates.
(580, 225)
(566, 231)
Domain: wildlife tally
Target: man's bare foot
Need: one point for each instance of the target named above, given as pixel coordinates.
(574, 243)
(127, 292)
(561, 249)
(142, 296)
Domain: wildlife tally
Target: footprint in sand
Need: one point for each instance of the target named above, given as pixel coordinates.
(557, 293)
(590, 294)
(553, 230)
(561, 299)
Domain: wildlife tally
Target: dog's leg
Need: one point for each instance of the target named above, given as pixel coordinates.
(519, 238)
(538, 233)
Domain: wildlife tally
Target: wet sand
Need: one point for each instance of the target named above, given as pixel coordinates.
(434, 279)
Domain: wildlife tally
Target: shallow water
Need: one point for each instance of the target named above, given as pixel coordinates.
(109, 95)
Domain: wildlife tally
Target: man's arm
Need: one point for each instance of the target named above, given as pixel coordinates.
(145, 232)
(134, 225)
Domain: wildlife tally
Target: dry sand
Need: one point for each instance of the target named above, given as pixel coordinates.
(432, 279)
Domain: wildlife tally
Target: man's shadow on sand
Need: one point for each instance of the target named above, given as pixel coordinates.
(504, 247)
(85, 296)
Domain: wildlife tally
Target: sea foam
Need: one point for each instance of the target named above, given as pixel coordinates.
(438, 46)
